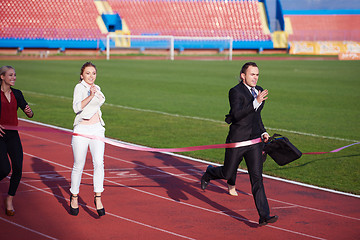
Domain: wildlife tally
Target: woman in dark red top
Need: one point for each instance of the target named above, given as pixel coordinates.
(11, 100)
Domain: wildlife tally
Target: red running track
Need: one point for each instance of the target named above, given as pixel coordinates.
(158, 196)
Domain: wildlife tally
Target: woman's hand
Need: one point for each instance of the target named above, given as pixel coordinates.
(1, 131)
(28, 111)
(85, 102)
(93, 90)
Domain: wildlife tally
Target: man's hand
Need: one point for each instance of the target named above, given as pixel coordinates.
(262, 96)
(265, 137)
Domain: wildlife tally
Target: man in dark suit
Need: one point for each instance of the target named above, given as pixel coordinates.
(246, 102)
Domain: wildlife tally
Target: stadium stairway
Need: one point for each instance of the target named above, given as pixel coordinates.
(105, 9)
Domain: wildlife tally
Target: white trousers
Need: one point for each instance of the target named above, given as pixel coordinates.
(80, 147)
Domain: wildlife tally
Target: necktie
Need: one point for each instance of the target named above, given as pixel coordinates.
(253, 92)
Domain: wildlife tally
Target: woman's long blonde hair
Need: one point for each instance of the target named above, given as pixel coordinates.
(3, 70)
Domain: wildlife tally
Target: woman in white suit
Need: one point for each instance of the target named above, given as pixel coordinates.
(87, 101)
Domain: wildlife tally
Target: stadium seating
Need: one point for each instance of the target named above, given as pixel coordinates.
(323, 20)
(239, 19)
(325, 27)
(43, 19)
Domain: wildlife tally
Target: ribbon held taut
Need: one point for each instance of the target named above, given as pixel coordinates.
(148, 149)
(138, 148)
(335, 150)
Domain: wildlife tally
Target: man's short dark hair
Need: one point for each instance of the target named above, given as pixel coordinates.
(246, 66)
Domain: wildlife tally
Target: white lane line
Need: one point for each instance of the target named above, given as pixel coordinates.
(185, 176)
(254, 210)
(194, 160)
(240, 170)
(172, 200)
(193, 180)
(107, 212)
(164, 198)
(26, 228)
(271, 199)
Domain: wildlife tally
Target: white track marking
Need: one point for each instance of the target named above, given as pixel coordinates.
(108, 213)
(224, 188)
(194, 160)
(268, 176)
(197, 160)
(26, 228)
(161, 197)
(215, 211)
(197, 118)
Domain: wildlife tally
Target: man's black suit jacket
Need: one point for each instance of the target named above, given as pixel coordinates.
(246, 123)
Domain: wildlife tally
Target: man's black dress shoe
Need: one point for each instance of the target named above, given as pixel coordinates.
(264, 221)
(204, 183)
(205, 179)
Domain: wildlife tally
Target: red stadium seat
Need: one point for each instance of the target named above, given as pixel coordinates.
(325, 27)
(49, 19)
(192, 18)
(76, 19)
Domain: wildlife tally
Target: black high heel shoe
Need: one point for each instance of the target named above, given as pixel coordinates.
(101, 212)
(73, 211)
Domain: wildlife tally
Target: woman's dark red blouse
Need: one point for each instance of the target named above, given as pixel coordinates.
(8, 115)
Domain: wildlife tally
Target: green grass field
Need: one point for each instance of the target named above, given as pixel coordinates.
(182, 103)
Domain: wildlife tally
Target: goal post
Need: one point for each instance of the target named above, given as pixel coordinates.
(218, 43)
(118, 41)
(169, 43)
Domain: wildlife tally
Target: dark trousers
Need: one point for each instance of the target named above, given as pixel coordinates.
(10, 145)
(254, 163)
